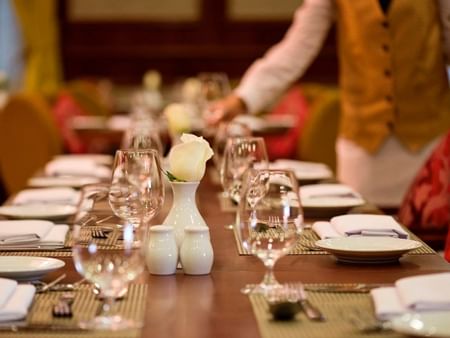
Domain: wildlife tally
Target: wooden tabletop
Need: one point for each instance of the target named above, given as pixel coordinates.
(212, 306)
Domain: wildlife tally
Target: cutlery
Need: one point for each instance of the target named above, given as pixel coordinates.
(24, 327)
(63, 308)
(45, 287)
(342, 195)
(356, 288)
(311, 311)
(366, 323)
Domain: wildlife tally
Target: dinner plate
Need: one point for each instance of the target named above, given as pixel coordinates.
(27, 267)
(37, 211)
(366, 249)
(61, 181)
(328, 200)
(428, 324)
(305, 172)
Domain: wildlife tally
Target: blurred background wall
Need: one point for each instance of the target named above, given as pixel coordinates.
(122, 39)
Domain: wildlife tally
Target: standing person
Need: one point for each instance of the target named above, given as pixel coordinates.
(395, 99)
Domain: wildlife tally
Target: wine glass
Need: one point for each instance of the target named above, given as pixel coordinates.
(213, 86)
(241, 154)
(270, 220)
(225, 131)
(110, 261)
(137, 188)
(142, 134)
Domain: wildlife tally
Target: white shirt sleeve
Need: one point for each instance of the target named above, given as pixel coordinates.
(285, 62)
(445, 19)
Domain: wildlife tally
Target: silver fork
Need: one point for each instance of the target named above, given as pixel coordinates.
(297, 290)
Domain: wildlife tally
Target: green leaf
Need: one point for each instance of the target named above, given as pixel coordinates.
(171, 177)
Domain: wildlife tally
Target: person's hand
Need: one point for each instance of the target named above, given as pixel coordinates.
(225, 109)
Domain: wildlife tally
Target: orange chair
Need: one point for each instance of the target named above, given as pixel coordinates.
(426, 207)
(28, 139)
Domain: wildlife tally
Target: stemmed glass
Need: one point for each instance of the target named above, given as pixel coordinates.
(270, 220)
(225, 131)
(110, 261)
(142, 135)
(241, 154)
(213, 87)
(137, 187)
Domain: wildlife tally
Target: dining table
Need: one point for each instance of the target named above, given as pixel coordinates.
(212, 305)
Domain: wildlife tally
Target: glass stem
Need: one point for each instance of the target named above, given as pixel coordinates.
(269, 277)
(106, 306)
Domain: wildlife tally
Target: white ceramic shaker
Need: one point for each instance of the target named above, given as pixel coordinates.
(161, 254)
(196, 252)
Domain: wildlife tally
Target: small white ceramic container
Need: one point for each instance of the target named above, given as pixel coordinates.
(161, 254)
(196, 252)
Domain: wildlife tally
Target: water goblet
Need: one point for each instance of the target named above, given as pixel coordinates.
(110, 263)
(270, 220)
(137, 188)
(241, 154)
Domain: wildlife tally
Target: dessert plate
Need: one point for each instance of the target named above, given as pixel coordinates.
(305, 172)
(366, 249)
(38, 211)
(23, 268)
(61, 181)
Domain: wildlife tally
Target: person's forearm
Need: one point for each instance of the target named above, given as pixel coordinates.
(285, 62)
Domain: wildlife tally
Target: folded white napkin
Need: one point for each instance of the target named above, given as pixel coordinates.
(360, 225)
(418, 294)
(61, 195)
(54, 239)
(325, 230)
(17, 232)
(76, 167)
(14, 299)
(97, 158)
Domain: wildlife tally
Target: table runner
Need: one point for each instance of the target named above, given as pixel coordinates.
(86, 232)
(309, 237)
(337, 308)
(84, 307)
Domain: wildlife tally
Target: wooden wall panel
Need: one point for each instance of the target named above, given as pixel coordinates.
(124, 50)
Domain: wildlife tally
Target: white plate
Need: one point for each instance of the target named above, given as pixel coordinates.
(27, 268)
(37, 211)
(97, 158)
(304, 171)
(61, 181)
(329, 196)
(360, 249)
(430, 324)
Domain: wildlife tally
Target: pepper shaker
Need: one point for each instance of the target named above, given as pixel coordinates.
(196, 252)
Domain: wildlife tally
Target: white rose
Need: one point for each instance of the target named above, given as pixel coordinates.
(178, 118)
(187, 160)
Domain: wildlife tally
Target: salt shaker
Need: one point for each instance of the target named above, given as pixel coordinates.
(161, 254)
(196, 252)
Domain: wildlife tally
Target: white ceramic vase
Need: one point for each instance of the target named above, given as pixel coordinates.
(196, 252)
(184, 211)
(161, 254)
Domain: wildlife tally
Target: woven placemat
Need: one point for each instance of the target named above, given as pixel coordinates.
(108, 243)
(338, 309)
(84, 307)
(306, 245)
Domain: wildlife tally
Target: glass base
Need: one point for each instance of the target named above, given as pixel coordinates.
(110, 323)
(262, 288)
